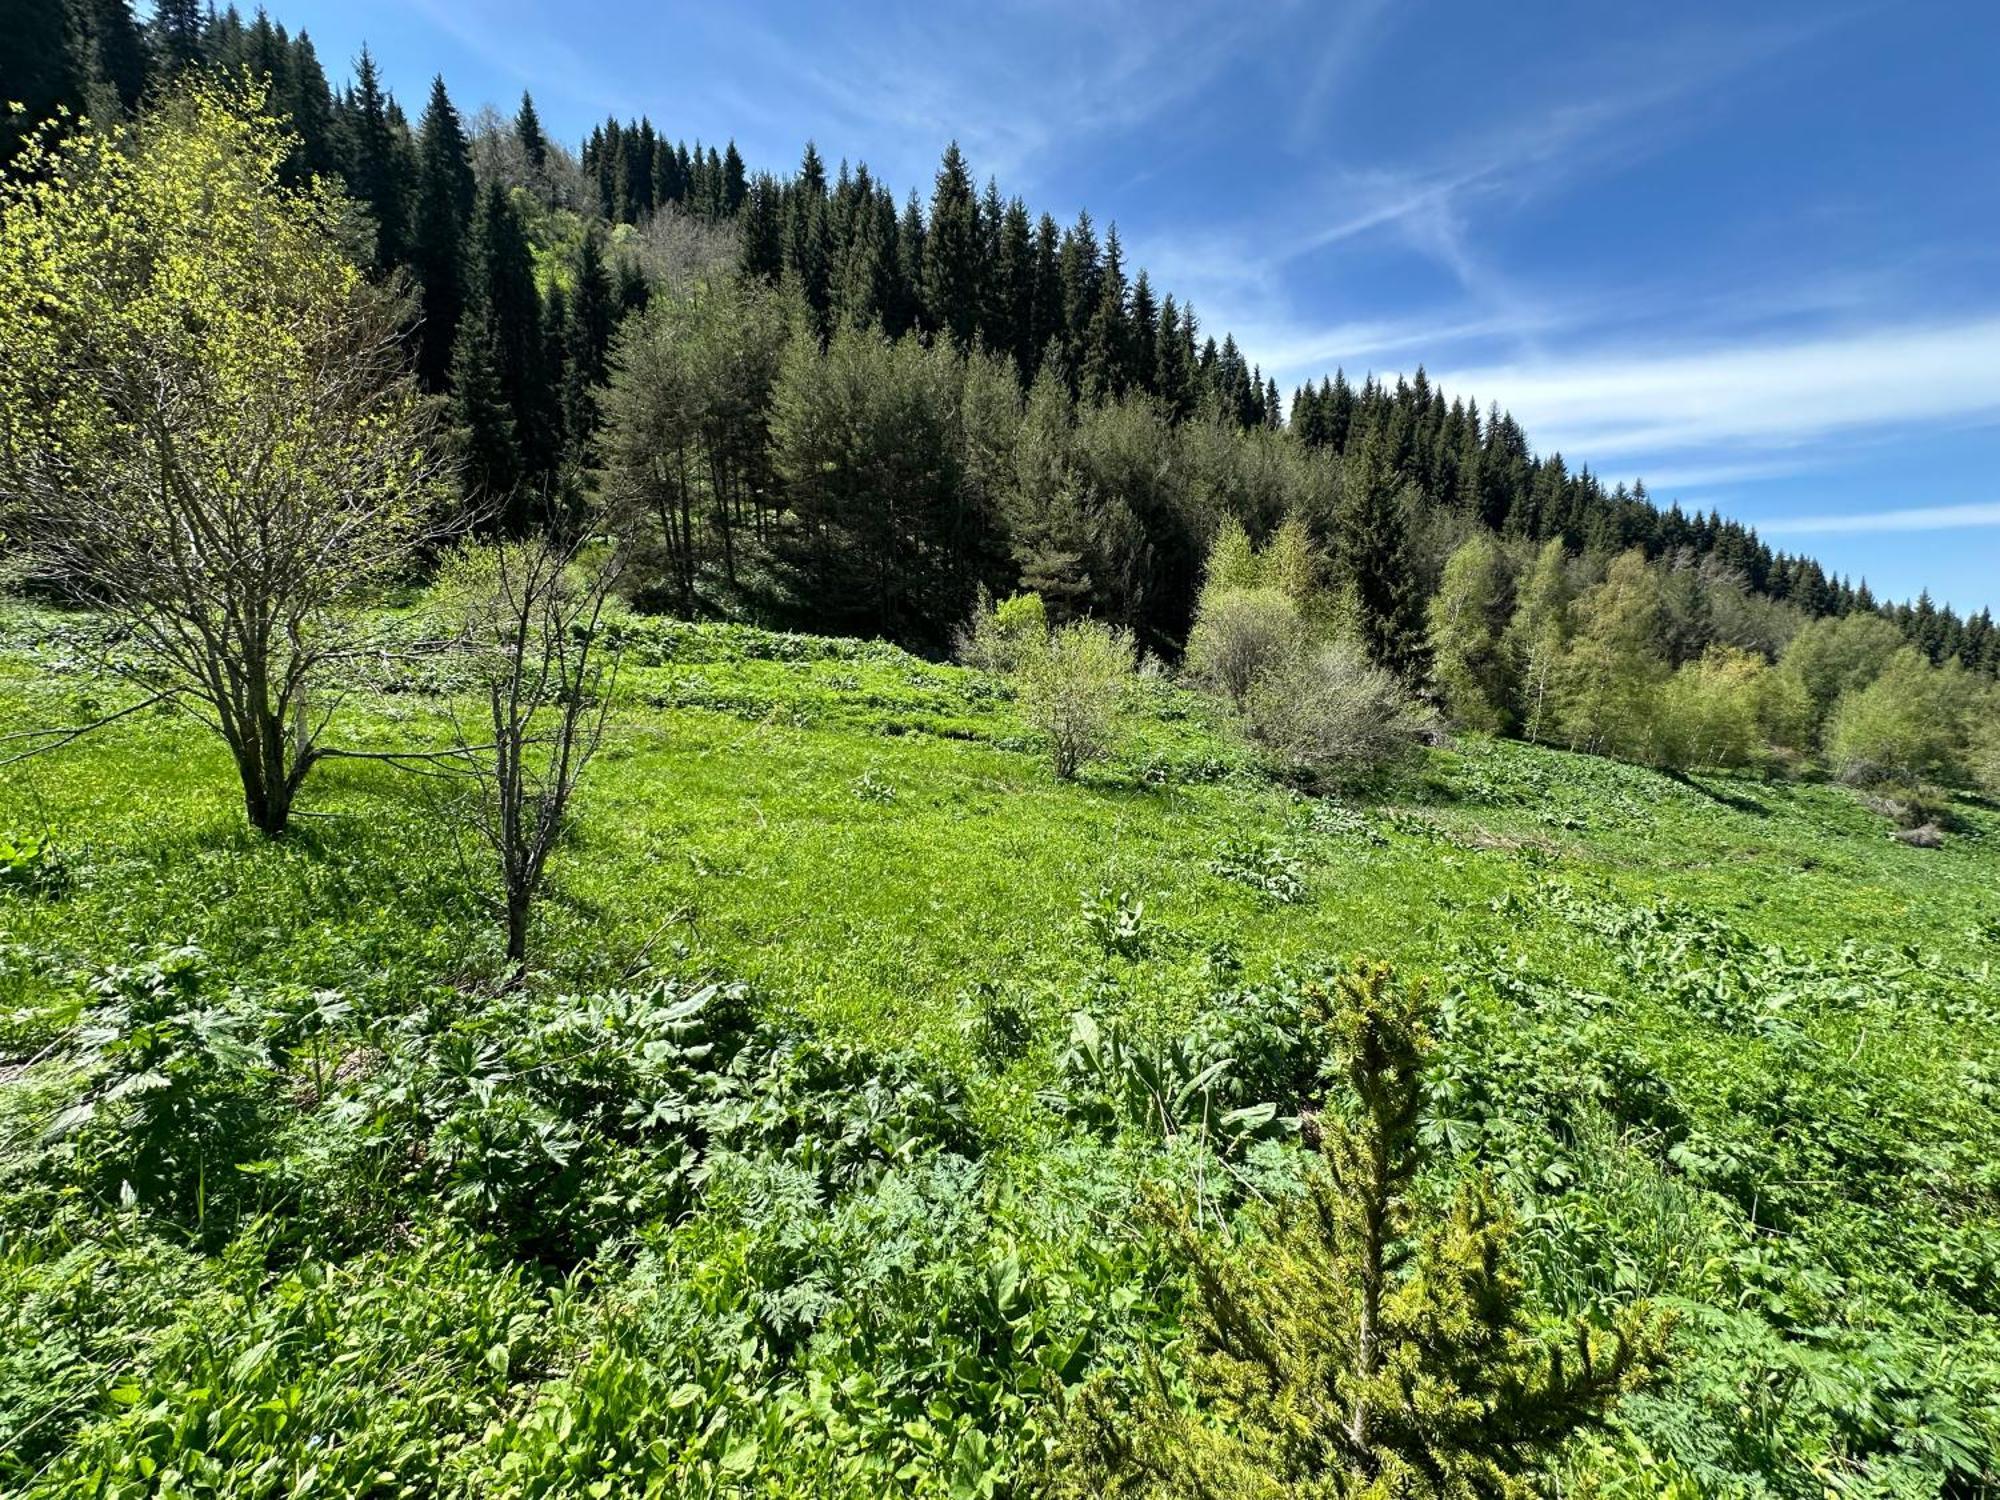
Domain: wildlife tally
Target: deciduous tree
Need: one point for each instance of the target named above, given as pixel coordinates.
(205, 420)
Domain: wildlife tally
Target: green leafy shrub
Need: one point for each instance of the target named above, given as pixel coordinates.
(1116, 922)
(174, 1090)
(1168, 1089)
(1073, 688)
(1269, 869)
(1330, 710)
(1002, 636)
(1239, 635)
(405, 1356)
(559, 1124)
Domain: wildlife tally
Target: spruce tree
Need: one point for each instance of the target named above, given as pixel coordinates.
(735, 182)
(762, 254)
(865, 285)
(712, 185)
(377, 165)
(309, 104)
(1105, 353)
(668, 184)
(266, 49)
(1373, 568)
(555, 378)
(176, 35)
(1048, 292)
(952, 270)
(1078, 269)
(501, 287)
(905, 312)
(483, 425)
(1142, 360)
(528, 131)
(1050, 523)
(592, 315)
(808, 250)
(640, 147)
(1013, 294)
(115, 49)
(444, 203)
(1174, 377)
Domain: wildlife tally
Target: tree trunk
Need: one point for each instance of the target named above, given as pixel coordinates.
(518, 905)
(267, 799)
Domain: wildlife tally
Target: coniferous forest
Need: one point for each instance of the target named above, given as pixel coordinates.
(544, 280)
(680, 826)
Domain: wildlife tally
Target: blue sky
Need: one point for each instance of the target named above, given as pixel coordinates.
(1748, 252)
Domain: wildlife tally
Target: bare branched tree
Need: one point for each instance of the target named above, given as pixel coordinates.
(529, 618)
(206, 425)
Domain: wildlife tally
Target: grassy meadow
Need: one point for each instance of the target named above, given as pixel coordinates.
(780, 1176)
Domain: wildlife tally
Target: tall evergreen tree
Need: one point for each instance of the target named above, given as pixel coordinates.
(1012, 298)
(483, 423)
(114, 51)
(592, 316)
(735, 181)
(952, 270)
(808, 251)
(444, 203)
(1048, 294)
(175, 35)
(1079, 287)
(528, 131)
(1105, 351)
(1372, 561)
(1173, 377)
(762, 255)
(377, 163)
(309, 104)
(501, 287)
(1142, 358)
(906, 311)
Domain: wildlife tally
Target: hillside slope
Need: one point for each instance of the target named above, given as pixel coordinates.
(1719, 1041)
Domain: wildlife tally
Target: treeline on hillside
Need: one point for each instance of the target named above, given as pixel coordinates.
(806, 384)
(1675, 665)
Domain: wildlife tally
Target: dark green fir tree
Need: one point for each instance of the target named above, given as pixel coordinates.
(1373, 566)
(444, 202)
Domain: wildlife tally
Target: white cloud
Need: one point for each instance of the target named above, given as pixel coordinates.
(1344, 39)
(1767, 395)
(1916, 518)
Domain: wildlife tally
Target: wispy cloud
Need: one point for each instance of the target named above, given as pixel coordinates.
(913, 83)
(1251, 276)
(1344, 38)
(1915, 518)
(1767, 394)
(1532, 152)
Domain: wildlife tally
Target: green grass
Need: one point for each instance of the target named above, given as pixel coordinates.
(1722, 1041)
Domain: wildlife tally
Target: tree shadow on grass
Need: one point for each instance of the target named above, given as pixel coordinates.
(1734, 801)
